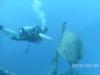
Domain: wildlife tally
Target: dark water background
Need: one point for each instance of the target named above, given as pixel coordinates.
(82, 16)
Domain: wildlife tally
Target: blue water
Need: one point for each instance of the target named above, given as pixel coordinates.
(83, 18)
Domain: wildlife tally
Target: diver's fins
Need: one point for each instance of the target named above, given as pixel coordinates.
(45, 36)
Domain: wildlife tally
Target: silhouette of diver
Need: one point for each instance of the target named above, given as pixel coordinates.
(33, 34)
(28, 33)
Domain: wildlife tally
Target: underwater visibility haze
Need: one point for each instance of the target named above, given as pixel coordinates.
(70, 45)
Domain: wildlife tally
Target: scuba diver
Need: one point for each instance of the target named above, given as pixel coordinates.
(29, 33)
(32, 34)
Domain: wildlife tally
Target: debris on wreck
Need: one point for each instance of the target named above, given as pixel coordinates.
(70, 48)
(5, 72)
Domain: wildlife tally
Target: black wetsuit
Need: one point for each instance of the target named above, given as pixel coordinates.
(30, 36)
